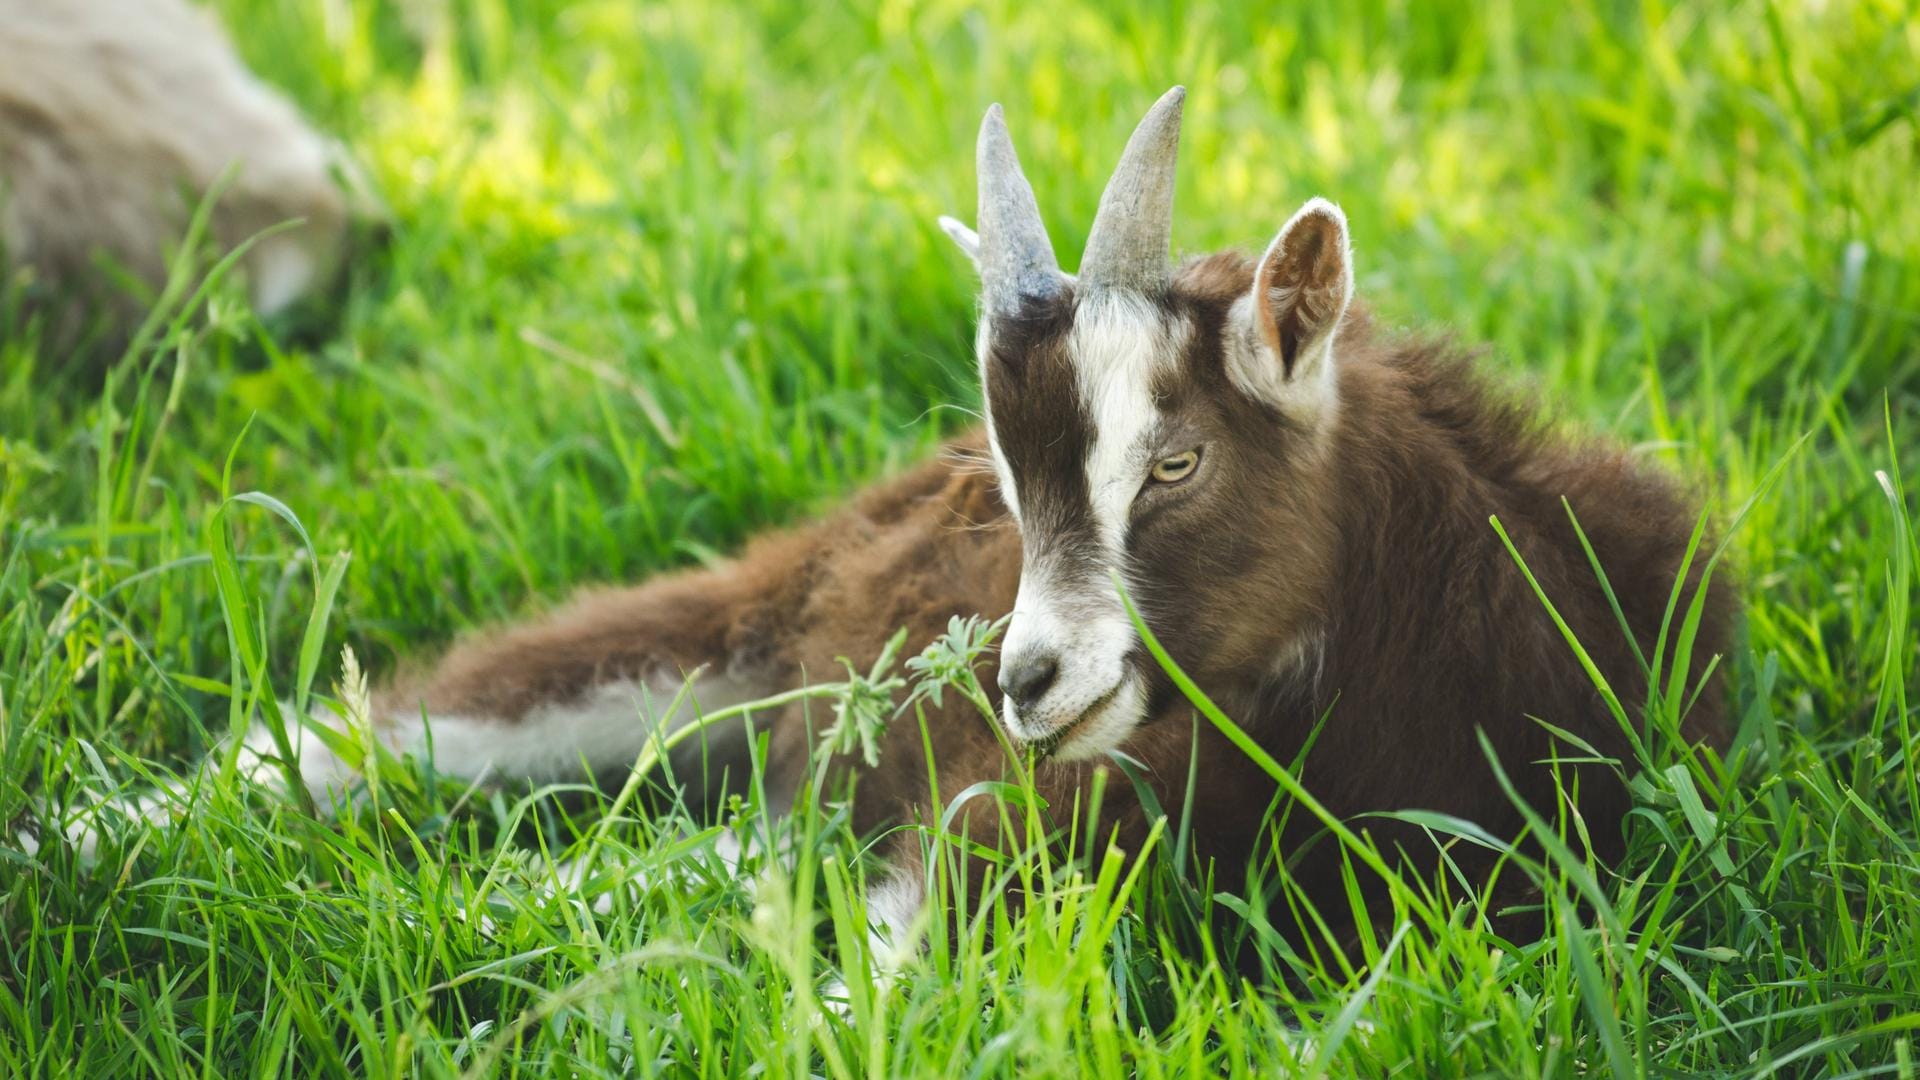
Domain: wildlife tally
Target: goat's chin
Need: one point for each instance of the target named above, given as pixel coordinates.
(1105, 726)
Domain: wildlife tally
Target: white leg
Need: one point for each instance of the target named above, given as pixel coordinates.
(893, 914)
(604, 729)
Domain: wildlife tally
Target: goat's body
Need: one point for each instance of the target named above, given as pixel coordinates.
(910, 552)
(1437, 635)
(1429, 634)
(116, 115)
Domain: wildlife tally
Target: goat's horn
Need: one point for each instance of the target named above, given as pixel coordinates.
(1127, 248)
(1016, 258)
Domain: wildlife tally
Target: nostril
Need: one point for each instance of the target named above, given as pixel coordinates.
(1026, 680)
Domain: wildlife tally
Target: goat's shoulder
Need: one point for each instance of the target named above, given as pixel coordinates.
(1453, 445)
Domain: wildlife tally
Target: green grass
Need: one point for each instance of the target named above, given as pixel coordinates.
(664, 275)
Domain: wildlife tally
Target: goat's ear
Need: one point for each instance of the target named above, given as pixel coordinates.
(1300, 291)
(968, 240)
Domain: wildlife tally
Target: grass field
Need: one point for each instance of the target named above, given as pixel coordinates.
(665, 274)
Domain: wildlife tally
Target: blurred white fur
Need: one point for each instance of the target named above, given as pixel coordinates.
(116, 116)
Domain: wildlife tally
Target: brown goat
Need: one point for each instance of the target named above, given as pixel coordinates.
(1298, 504)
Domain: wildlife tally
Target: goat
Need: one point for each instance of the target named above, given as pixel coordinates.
(1298, 502)
(116, 116)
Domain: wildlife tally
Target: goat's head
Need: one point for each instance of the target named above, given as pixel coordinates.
(1145, 424)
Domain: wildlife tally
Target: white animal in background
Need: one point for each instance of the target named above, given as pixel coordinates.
(117, 117)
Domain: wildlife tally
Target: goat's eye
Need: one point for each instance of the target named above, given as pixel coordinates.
(1176, 468)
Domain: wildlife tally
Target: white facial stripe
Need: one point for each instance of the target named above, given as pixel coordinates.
(1119, 344)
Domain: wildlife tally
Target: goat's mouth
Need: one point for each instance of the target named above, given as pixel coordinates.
(1076, 738)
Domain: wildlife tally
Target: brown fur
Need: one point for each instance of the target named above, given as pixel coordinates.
(1356, 578)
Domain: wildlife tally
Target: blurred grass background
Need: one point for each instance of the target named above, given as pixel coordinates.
(665, 274)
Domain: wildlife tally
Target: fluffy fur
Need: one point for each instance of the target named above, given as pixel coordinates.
(116, 116)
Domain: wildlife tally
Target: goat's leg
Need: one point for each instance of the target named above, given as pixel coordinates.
(581, 692)
(897, 899)
(574, 695)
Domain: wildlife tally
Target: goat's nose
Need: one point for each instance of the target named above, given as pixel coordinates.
(1026, 679)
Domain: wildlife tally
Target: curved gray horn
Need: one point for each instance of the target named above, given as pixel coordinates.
(1127, 248)
(1016, 258)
